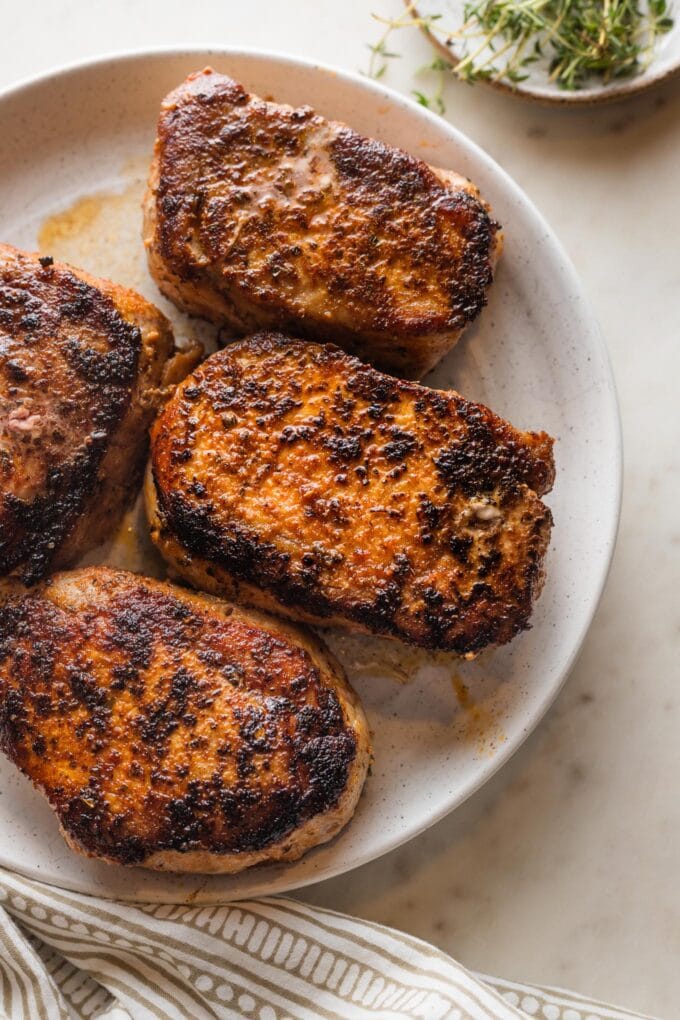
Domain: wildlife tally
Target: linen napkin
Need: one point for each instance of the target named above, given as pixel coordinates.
(65, 955)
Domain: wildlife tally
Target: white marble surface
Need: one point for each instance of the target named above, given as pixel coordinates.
(564, 869)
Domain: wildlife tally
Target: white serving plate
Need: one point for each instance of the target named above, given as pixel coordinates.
(450, 15)
(535, 356)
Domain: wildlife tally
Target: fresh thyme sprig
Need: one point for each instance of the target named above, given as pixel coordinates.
(436, 100)
(380, 54)
(377, 65)
(583, 40)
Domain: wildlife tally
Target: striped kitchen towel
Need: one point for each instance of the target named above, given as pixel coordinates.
(66, 955)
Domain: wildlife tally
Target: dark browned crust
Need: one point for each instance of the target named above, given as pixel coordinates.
(155, 724)
(58, 334)
(301, 224)
(346, 495)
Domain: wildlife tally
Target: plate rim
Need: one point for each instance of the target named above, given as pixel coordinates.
(609, 394)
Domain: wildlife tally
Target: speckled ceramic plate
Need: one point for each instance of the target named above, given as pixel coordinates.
(75, 147)
(537, 86)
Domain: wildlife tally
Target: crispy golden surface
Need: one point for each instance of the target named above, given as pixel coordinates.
(259, 215)
(83, 366)
(292, 476)
(171, 729)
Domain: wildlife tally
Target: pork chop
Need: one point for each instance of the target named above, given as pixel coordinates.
(84, 366)
(259, 215)
(291, 476)
(175, 731)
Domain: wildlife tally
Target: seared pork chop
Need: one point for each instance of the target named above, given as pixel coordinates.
(259, 215)
(175, 731)
(291, 476)
(84, 366)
